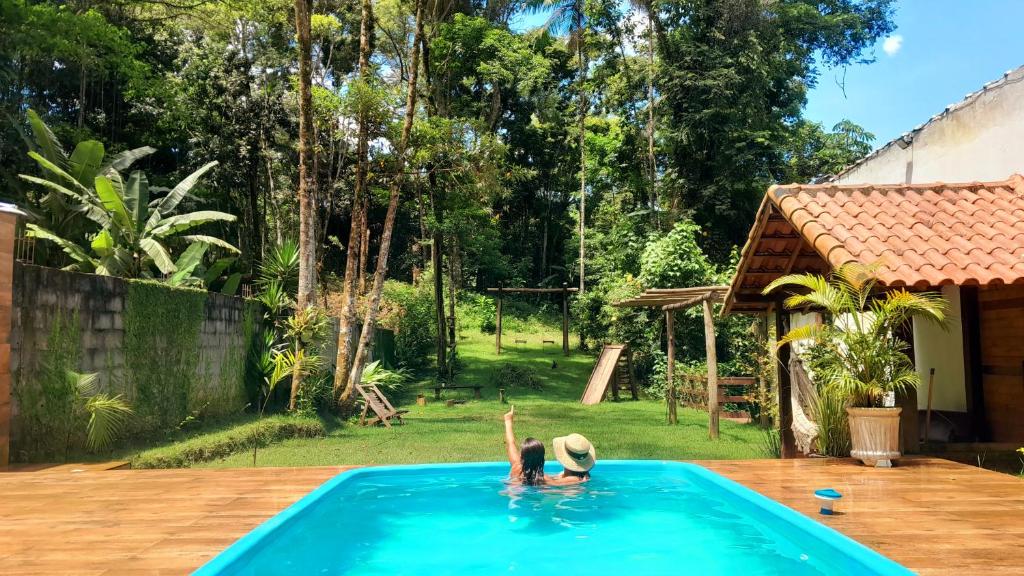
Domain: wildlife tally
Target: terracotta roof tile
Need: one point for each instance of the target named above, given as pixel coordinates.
(920, 234)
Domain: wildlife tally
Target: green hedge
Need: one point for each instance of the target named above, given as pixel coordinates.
(222, 443)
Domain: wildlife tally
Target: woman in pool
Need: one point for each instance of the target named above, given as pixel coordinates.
(574, 453)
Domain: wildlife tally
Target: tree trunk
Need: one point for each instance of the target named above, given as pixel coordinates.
(580, 55)
(364, 247)
(370, 320)
(81, 95)
(652, 161)
(438, 266)
(307, 215)
(307, 225)
(343, 362)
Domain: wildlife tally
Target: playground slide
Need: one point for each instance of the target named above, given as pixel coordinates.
(604, 372)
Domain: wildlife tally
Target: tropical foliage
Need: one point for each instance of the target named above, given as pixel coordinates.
(130, 230)
(862, 354)
(108, 415)
(620, 146)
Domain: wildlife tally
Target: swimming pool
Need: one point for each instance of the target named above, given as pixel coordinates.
(633, 517)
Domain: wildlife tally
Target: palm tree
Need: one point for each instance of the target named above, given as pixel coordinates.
(108, 415)
(864, 358)
(569, 16)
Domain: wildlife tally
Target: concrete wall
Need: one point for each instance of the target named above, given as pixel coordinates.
(978, 139)
(210, 378)
(799, 320)
(943, 350)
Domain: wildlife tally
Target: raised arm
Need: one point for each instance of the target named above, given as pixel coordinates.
(511, 446)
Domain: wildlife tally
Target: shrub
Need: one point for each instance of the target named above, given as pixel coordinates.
(222, 443)
(479, 311)
(409, 311)
(829, 411)
(511, 376)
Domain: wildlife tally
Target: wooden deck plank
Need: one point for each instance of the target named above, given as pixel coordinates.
(934, 516)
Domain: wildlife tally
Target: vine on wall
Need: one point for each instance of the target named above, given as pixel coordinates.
(162, 351)
(47, 422)
(152, 351)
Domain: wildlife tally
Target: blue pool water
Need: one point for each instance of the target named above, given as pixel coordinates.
(633, 517)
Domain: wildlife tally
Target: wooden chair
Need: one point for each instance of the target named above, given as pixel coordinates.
(374, 399)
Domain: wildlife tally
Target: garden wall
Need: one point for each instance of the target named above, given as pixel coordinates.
(172, 352)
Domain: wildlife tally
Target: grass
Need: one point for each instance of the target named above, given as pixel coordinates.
(473, 431)
(220, 441)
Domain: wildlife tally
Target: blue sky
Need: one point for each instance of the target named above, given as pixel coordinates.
(940, 51)
(948, 49)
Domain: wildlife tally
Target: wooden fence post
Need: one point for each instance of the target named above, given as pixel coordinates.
(565, 318)
(498, 328)
(670, 329)
(712, 361)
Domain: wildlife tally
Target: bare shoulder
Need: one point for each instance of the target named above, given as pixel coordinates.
(565, 480)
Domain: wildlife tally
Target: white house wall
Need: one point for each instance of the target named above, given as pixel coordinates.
(942, 349)
(978, 139)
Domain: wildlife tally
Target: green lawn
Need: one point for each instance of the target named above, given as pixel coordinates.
(473, 431)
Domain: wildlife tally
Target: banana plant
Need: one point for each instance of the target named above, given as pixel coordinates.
(60, 210)
(191, 272)
(133, 229)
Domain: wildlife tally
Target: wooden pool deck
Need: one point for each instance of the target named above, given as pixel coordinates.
(933, 516)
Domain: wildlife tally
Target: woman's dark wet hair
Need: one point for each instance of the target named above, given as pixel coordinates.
(532, 453)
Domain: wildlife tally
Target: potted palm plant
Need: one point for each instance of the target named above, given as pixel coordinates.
(863, 358)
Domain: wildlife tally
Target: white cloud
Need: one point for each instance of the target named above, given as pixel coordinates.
(892, 44)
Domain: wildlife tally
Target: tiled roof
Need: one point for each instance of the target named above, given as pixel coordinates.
(921, 235)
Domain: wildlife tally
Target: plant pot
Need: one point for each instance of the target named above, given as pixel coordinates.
(875, 435)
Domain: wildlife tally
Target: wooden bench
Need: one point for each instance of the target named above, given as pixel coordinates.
(476, 390)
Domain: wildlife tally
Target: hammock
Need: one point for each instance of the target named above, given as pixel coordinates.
(802, 396)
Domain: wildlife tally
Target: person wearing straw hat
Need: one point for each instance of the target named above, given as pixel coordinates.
(574, 452)
(576, 455)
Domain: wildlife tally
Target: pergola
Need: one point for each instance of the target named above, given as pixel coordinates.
(670, 301)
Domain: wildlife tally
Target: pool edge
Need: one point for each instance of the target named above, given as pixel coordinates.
(870, 558)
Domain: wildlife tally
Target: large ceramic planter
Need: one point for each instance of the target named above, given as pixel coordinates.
(875, 435)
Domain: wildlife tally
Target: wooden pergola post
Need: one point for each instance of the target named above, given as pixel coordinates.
(670, 300)
(565, 318)
(787, 440)
(497, 332)
(762, 383)
(712, 361)
(670, 330)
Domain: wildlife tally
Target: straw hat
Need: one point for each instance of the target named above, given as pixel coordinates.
(574, 452)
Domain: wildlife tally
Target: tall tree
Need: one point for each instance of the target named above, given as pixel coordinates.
(570, 16)
(346, 335)
(734, 76)
(373, 304)
(307, 214)
(649, 10)
(307, 182)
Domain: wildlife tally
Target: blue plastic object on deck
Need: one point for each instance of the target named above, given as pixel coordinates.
(828, 497)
